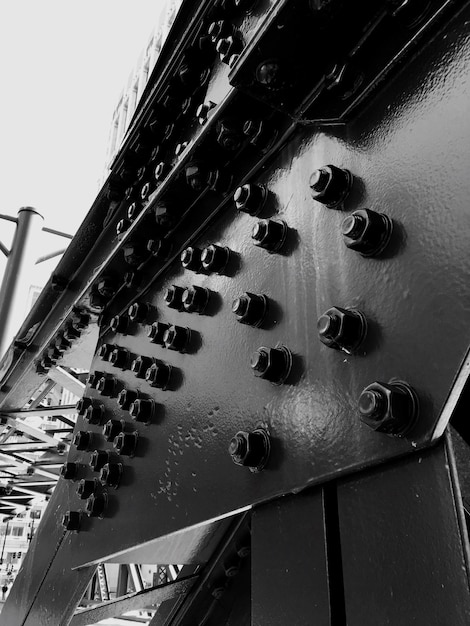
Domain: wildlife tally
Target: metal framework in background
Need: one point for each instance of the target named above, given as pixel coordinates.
(270, 294)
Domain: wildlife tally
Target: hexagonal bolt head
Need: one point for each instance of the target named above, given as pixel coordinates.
(391, 408)
(367, 232)
(269, 234)
(330, 185)
(86, 488)
(250, 449)
(250, 308)
(197, 175)
(191, 259)
(160, 248)
(98, 459)
(96, 505)
(158, 375)
(259, 133)
(125, 398)
(342, 329)
(119, 357)
(273, 364)
(69, 470)
(229, 136)
(112, 428)
(83, 404)
(177, 338)
(195, 299)
(106, 385)
(94, 414)
(83, 439)
(125, 443)
(71, 520)
(173, 297)
(138, 312)
(142, 410)
(140, 365)
(134, 253)
(156, 332)
(215, 258)
(80, 319)
(120, 324)
(110, 475)
(106, 287)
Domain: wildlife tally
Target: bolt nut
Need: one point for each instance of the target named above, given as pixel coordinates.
(119, 357)
(156, 331)
(83, 440)
(273, 364)
(142, 410)
(94, 414)
(71, 333)
(96, 505)
(83, 404)
(71, 521)
(173, 297)
(133, 210)
(160, 248)
(125, 398)
(110, 475)
(203, 110)
(161, 170)
(250, 449)
(145, 191)
(93, 379)
(61, 342)
(330, 185)
(367, 232)
(191, 259)
(250, 308)
(158, 375)
(229, 46)
(106, 386)
(112, 428)
(250, 198)
(105, 351)
(86, 488)
(69, 470)
(177, 338)
(138, 312)
(98, 459)
(80, 319)
(125, 443)
(215, 258)
(342, 329)
(120, 324)
(390, 408)
(122, 226)
(195, 299)
(140, 365)
(221, 28)
(269, 234)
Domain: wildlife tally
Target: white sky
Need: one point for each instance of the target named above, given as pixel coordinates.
(63, 65)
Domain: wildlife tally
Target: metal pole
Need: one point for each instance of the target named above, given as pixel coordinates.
(17, 278)
(5, 538)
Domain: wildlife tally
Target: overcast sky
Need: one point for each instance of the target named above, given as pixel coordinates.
(63, 65)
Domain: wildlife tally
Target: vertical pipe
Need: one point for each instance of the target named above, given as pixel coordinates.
(17, 278)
